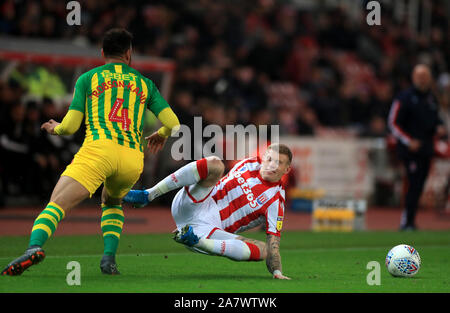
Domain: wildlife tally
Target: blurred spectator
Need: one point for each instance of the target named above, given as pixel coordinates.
(40, 81)
(377, 128)
(414, 121)
(15, 149)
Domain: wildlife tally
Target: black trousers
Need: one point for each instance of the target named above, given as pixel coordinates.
(417, 169)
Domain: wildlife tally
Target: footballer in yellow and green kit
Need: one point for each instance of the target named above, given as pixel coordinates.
(112, 98)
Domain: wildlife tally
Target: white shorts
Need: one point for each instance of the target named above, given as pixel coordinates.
(193, 205)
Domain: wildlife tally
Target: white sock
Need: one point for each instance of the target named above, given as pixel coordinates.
(233, 249)
(184, 176)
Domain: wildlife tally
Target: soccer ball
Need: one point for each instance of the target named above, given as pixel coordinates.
(403, 261)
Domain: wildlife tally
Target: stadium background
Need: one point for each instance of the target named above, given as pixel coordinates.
(315, 68)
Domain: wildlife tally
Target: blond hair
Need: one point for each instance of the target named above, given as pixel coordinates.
(281, 149)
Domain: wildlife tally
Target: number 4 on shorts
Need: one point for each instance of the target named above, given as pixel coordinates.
(123, 118)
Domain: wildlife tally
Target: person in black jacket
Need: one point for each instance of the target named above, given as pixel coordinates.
(414, 121)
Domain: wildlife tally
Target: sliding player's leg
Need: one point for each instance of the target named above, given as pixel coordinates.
(201, 176)
(258, 251)
(221, 243)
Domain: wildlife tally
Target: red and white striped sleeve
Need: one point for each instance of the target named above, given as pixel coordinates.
(275, 215)
(394, 125)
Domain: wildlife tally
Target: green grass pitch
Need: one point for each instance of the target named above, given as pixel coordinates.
(316, 262)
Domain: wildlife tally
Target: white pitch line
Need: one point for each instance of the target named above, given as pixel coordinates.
(187, 253)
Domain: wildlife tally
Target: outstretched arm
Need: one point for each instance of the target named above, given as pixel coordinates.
(69, 125)
(72, 121)
(159, 106)
(170, 123)
(273, 260)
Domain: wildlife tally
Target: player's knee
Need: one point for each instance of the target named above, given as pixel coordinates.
(256, 252)
(263, 252)
(215, 166)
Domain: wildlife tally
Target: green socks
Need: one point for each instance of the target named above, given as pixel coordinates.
(46, 224)
(112, 224)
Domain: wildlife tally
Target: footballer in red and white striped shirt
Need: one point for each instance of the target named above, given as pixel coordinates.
(210, 209)
(246, 200)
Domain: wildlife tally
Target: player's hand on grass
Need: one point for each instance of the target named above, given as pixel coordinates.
(155, 142)
(279, 275)
(49, 126)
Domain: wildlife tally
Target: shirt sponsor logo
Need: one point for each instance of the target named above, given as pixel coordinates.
(261, 199)
(245, 188)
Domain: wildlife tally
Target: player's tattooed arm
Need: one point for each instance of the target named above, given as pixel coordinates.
(273, 260)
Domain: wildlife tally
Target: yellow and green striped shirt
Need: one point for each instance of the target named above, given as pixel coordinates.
(113, 98)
